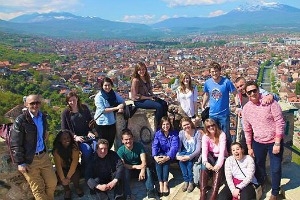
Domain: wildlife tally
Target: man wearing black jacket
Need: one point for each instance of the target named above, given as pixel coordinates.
(107, 171)
(29, 149)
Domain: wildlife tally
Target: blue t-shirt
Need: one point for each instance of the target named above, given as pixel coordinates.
(218, 96)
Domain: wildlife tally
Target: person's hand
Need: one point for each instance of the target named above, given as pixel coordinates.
(91, 135)
(216, 168)
(102, 187)
(208, 166)
(236, 193)
(65, 181)
(276, 149)
(238, 112)
(251, 152)
(185, 158)
(266, 100)
(111, 184)
(79, 138)
(120, 106)
(23, 168)
(142, 175)
(158, 159)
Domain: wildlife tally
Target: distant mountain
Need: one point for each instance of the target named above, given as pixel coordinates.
(66, 25)
(271, 17)
(263, 17)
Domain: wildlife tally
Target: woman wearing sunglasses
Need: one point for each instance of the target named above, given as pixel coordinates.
(213, 156)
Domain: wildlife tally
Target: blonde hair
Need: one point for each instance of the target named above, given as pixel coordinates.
(181, 79)
(209, 122)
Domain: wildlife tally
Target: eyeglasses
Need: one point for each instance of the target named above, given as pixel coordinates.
(254, 91)
(210, 126)
(35, 103)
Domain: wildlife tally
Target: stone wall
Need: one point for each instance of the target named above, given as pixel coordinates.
(13, 185)
(142, 124)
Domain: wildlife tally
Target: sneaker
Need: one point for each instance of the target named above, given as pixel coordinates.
(151, 194)
(185, 186)
(190, 187)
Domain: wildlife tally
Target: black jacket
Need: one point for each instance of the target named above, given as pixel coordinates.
(106, 169)
(23, 139)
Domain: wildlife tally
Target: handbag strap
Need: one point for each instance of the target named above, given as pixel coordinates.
(239, 167)
(99, 115)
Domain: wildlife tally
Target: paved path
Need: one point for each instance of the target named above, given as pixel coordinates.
(290, 185)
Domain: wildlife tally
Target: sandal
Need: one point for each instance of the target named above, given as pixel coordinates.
(67, 195)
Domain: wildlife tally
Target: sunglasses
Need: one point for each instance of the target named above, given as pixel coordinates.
(210, 126)
(35, 103)
(254, 91)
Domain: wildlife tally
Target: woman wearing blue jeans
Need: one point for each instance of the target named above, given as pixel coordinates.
(164, 149)
(188, 151)
(142, 95)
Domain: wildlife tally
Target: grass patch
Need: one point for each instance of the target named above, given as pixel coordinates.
(295, 157)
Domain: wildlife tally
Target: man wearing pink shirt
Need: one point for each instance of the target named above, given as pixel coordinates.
(263, 126)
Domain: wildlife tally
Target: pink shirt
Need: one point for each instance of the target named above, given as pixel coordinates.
(218, 150)
(263, 122)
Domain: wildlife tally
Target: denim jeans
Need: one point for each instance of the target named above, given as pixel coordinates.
(224, 123)
(260, 152)
(135, 173)
(162, 171)
(187, 168)
(87, 150)
(159, 105)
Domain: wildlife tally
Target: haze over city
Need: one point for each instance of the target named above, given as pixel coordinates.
(146, 11)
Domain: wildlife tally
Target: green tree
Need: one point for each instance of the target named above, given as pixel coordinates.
(297, 88)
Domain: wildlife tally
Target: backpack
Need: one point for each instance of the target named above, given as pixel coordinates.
(5, 134)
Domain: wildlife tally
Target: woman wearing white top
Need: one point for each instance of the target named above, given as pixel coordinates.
(239, 173)
(187, 95)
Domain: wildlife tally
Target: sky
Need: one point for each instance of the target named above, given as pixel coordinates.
(133, 11)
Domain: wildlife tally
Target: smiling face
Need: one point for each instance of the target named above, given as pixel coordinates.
(142, 71)
(237, 151)
(210, 127)
(186, 80)
(186, 126)
(65, 139)
(240, 86)
(102, 150)
(165, 126)
(107, 86)
(33, 103)
(253, 93)
(127, 140)
(215, 74)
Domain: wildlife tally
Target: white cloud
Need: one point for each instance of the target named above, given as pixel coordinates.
(174, 3)
(216, 13)
(163, 17)
(13, 8)
(144, 19)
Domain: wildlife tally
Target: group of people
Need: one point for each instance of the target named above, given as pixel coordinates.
(104, 169)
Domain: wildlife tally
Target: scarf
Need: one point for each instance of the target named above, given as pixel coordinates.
(110, 97)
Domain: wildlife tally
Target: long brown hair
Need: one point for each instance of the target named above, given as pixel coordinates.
(209, 122)
(181, 79)
(73, 94)
(139, 66)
